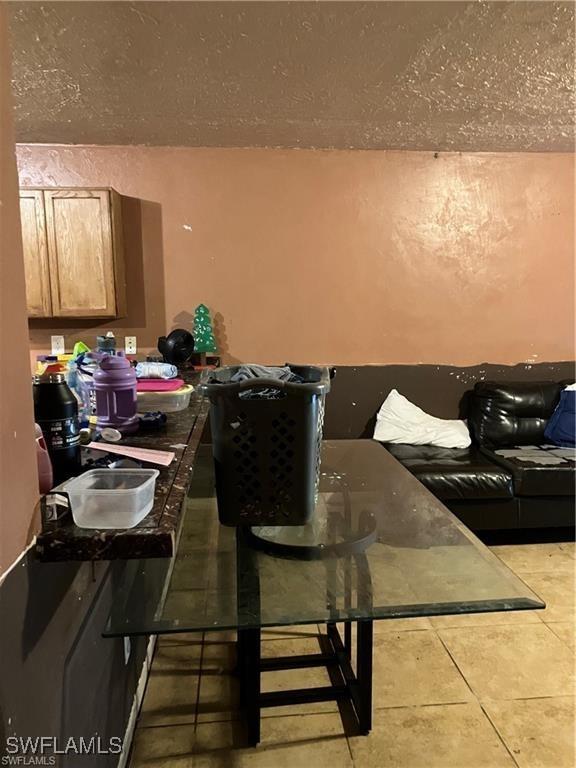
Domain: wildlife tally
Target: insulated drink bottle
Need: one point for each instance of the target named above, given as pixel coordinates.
(56, 413)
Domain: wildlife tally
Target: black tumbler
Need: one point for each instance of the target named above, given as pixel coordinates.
(56, 413)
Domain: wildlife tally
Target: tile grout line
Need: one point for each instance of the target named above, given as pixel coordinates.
(200, 665)
(435, 630)
(497, 732)
(533, 698)
(462, 675)
(152, 726)
(563, 640)
(478, 700)
(496, 624)
(423, 706)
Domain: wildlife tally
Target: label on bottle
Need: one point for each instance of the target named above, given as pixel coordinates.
(61, 434)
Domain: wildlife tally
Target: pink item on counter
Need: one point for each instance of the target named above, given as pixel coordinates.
(45, 474)
(115, 387)
(164, 458)
(159, 385)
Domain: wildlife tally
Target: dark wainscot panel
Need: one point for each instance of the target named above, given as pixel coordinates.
(359, 391)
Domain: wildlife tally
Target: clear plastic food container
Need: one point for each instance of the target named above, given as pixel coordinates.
(168, 402)
(111, 498)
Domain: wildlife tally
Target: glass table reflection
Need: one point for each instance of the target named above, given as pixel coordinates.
(380, 546)
(424, 562)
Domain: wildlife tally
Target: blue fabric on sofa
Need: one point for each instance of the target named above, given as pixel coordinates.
(561, 427)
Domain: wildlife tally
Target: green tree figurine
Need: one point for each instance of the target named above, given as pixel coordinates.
(204, 340)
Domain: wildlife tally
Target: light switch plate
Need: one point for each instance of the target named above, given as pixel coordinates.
(130, 345)
(58, 347)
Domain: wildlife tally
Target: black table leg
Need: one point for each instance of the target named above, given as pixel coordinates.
(249, 668)
(248, 639)
(241, 666)
(347, 684)
(364, 675)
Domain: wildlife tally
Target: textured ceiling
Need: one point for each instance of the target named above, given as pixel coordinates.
(406, 75)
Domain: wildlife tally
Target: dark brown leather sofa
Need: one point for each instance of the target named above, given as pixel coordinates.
(493, 486)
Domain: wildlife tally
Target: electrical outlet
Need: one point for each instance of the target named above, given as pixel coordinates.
(127, 648)
(58, 347)
(130, 345)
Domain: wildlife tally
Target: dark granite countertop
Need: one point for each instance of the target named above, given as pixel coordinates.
(156, 535)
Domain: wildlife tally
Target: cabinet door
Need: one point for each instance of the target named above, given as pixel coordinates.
(35, 250)
(81, 254)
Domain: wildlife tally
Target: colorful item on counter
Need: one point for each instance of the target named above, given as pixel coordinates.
(106, 344)
(111, 435)
(147, 455)
(204, 340)
(152, 421)
(49, 365)
(81, 381)
(73, 383)
(80, 349)
(156, 371)
(125, 464)
(159, 385)
(56, 413)
(85, 435)
(177, 347)
(167, 402)
(115, 386)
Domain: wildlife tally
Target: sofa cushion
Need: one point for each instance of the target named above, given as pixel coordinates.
(455, 473)
(538, 470)
(511, 413)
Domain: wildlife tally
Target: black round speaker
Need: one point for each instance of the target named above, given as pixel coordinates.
(177, 347)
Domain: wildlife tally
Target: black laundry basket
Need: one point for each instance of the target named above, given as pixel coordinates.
(266, 451)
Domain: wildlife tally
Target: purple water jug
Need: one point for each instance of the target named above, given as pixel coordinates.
(115, 385)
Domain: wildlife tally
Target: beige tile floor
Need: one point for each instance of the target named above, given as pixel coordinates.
(485, 691)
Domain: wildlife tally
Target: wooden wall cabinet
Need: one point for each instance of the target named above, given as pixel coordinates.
(73, 252)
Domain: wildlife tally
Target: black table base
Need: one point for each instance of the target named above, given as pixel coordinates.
(351, 689)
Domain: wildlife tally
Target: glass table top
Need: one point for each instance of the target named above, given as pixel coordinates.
(389, 549)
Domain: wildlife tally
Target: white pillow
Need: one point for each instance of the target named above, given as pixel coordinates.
(400, 421)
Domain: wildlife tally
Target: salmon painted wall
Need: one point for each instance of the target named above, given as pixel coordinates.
(18, 474)
(343, 257)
